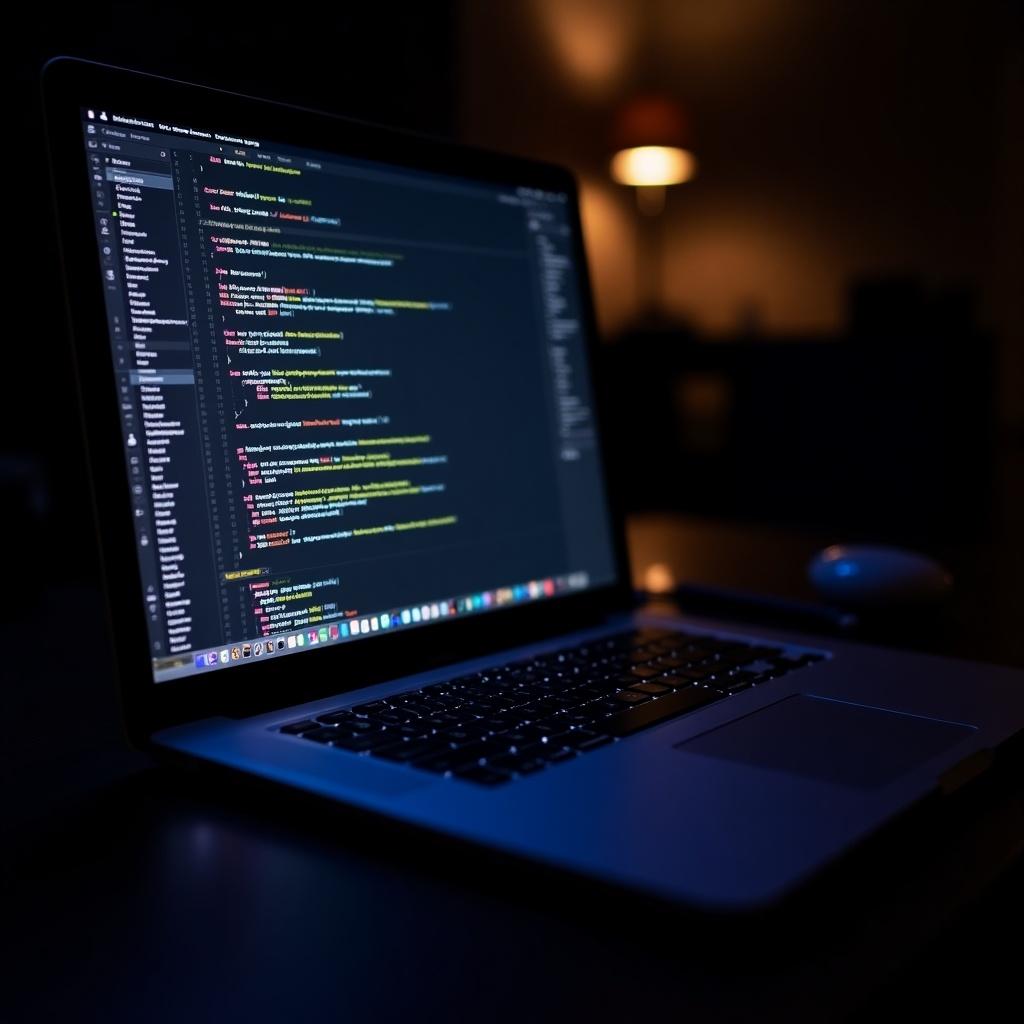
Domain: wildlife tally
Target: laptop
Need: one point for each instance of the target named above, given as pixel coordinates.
(359, 533)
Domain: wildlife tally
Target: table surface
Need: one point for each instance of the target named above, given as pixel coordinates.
(135, 891)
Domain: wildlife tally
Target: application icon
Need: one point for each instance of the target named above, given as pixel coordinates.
(323, 634)
(416, 615)
(257, 649)
(246, 650)
(300, 640)
(236, 653)
(280, 644)
(406, 616)
(334, 632)
(224, 656)
(291, 640)
(200, 661)
(343, 627)
(211, 658)
(385, 621)
(313, 636)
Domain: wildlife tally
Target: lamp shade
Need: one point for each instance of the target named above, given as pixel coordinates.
(651, 120)
(652, 142)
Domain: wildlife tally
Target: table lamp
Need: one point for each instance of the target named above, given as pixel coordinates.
(651, 138)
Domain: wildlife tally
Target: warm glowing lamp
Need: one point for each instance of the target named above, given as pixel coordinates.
(652, 143)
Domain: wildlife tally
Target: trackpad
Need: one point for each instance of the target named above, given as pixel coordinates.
(823, 739)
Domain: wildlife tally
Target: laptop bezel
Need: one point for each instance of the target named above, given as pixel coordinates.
(68, 83)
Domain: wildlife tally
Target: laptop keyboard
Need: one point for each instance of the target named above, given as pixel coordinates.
(502, 723)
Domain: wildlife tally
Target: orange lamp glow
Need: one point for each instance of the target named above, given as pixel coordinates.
(652, 141)
(653, 165)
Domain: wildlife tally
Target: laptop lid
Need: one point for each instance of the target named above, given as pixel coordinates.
(336, 383)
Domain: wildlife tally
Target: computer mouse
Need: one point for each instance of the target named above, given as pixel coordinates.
(878, 577)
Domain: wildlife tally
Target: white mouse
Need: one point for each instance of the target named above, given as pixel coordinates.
(869, 576)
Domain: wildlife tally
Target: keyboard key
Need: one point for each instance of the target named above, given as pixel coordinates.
(676, 682)
(580, 718)
(532, 750)
(464, 734)
(556, 755)
(516, 763)
(364, 725)
(695, 675)
(412, 731)
(631, 697)
(447, 720)
(295, 728)
(370, 708)
(645, 672)
(729, 687)
(527, 734)
(411, 750)
(562, 739)
(323, 734)
(417, 708)
(357, 744)
(740, 677)
(449, 760)
(336, 717)
(393, 717)
(654, 689)
(627, 722)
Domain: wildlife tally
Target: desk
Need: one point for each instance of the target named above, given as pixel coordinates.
(135, 892)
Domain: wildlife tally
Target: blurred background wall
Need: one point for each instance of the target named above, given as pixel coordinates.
(835, 141)
(839, 288)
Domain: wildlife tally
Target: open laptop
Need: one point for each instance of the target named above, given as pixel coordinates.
(359, 533)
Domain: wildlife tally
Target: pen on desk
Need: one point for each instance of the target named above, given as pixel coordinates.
(758, 608)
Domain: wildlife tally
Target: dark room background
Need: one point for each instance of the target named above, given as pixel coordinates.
(838, 291)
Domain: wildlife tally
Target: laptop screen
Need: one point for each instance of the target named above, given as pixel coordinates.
(354, 397)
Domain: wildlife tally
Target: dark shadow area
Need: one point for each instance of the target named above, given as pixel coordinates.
(362, 62)
(885, 430)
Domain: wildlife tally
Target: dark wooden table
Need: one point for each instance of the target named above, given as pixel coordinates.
(134, 892)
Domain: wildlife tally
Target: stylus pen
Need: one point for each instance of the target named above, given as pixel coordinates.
(758, 608)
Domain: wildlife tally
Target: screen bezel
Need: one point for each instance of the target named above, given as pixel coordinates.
(68, 85)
